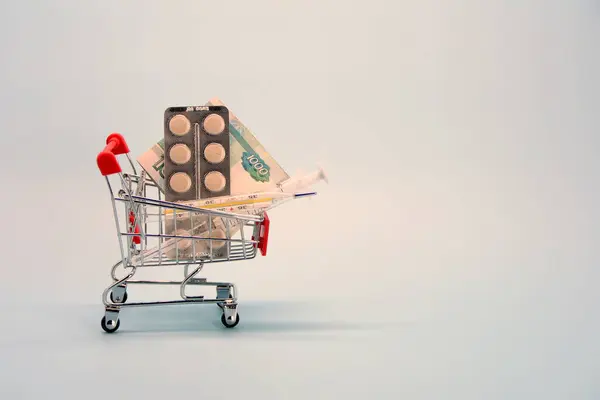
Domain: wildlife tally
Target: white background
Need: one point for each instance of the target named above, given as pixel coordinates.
(454, 254)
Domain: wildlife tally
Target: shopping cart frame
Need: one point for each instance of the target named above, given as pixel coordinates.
(133, 237)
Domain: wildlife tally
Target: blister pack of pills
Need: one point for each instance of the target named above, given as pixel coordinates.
(197, 145)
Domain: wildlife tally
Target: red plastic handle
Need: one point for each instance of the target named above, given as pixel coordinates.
(107, 162)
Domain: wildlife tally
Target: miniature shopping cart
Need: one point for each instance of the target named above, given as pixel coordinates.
(154, 233)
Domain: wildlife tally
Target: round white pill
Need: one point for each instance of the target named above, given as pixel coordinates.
(180, 153)
(215, 181)
(214, 153)
(180, 182)
(181, 245)
(213, 124)
(218, 234)
(179, 125)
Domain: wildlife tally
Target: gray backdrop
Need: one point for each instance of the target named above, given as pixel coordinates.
(454, 254)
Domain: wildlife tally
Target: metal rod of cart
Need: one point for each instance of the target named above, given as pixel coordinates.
(155, 233)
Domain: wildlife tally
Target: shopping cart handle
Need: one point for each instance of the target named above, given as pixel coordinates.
(107, 162)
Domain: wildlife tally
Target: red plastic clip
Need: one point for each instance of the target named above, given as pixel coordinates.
(136, 239)
(263, 239)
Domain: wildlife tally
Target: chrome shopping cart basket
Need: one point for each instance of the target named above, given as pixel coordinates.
(154, 233)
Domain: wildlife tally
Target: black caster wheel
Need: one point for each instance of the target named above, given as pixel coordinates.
(123, 300)
(230, 324)
(111, 326)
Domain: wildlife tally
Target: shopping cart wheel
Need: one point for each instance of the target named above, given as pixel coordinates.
(123, 299)
(231, 323)
(111, 326)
